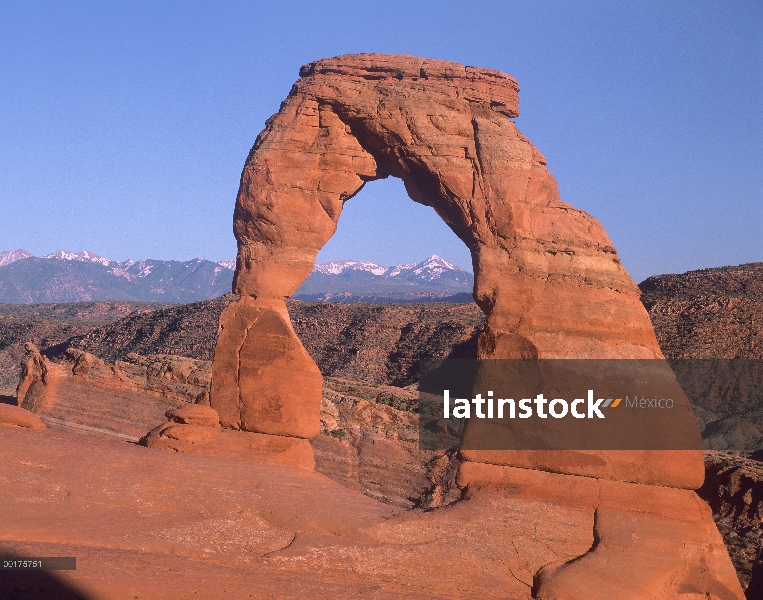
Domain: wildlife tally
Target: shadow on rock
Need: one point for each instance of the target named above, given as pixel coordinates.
(755, 587)
(41, 585)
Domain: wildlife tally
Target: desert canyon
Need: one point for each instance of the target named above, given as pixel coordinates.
(258, 475)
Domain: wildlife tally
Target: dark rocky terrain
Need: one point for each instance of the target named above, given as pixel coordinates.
(188, 330)
(710, 313)
(376, 343)
(704, 316)
(383, 343)
(734, 490)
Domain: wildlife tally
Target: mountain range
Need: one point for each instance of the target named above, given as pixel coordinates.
(66, 276)
(434, 279)
(79, 277)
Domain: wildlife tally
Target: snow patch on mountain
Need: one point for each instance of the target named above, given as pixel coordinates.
(397, 269)
(9, 256)
(228, 264)
(83, 256)
(339, 266)
(142, 268)
(431, 269)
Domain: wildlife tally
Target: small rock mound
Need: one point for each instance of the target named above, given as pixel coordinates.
(194, 414)
(15, 416)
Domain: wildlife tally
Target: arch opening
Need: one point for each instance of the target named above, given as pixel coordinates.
(382, 225)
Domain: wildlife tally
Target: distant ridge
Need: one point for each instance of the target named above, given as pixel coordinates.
(10, 256)
(435, 265)
(338, 267)
(66, 276)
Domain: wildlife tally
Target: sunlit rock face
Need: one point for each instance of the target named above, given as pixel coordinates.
(546, 275)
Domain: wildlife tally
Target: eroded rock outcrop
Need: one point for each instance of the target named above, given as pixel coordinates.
(734, 490)
(127, 398)
(369, 442)
(546, 275)
(196, 429)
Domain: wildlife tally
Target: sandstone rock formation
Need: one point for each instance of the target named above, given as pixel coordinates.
(34, 368)
(546, 275)
(369, 442)
(196, 429)
(126, 398)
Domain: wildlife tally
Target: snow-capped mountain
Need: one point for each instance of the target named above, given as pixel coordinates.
(66, 276)
(430, 269)
(433, 269)
(351, 281)
(83, 256)
(397, 269)
(337, 267)
(9, 256)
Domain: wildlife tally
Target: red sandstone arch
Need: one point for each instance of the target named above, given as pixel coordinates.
(546, 275)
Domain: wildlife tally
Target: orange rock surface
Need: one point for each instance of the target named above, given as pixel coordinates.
(168, 525)
(15, 416)
(80, 391)
(196, 429)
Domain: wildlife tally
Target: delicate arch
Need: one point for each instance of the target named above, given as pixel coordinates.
(546, 274)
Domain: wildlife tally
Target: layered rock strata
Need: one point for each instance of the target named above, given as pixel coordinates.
(546, 275)
(126, 398)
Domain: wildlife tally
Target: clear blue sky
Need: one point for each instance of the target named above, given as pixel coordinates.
(124, 125)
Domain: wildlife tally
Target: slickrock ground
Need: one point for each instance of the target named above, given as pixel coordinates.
(352, 326)
(368, 448)
(126, 398)
(369, 438)
(152, 524)
(339, 454)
